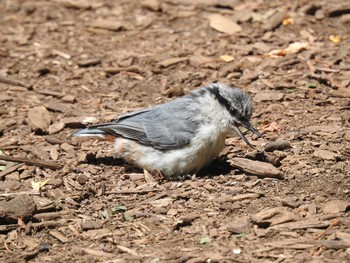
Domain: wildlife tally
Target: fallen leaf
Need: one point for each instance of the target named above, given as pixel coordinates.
(335, 38)
(271, 127)
(204, 240)
(288, 21)
(291, 49)
(37, 185)
(223, 24)
(227, 58)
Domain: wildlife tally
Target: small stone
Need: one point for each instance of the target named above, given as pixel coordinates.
(279, 145)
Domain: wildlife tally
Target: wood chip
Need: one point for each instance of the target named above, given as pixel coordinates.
(335, 206)
(97, 253)
(76, 4)
(15, 82)
(303, 224)
(223, 24)
(257, 168)
(39, 119)
(129, 251)
(115, 70)
(152, 5)
(241, 197)
(61, 107)
(32, 161)
(56, 127)
(275, 216)
(326, 155)
(21, 206)
(108, 24)
(50, 93)
(268, 96)
(10, 168)
(171, 61)
(89, 62)
(274, 21)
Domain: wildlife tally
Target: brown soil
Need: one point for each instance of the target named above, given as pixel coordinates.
(62, 61)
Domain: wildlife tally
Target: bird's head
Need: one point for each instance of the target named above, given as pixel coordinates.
(238, 105)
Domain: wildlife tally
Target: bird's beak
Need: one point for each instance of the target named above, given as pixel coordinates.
(247, 126)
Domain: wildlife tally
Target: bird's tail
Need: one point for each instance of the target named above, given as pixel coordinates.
(91, 132)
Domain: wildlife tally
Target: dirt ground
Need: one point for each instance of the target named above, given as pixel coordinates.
(65, 64)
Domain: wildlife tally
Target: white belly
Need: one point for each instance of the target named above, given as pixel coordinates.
(204, 147)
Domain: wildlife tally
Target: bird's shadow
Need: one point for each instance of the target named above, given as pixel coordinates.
(218, 167)
(107, 160)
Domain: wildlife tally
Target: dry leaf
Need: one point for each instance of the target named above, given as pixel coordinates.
(271, 127)
(288, 21)
(223, 24)
(227, 58)
(291, 49)
(37, 185)
(335, 38)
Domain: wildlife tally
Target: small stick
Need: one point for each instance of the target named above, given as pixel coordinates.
(334, 223)
(21, 193)
(14, 82)
(131, 192)
(36, 162)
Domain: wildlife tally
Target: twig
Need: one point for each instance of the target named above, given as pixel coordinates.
(334, 223)
(36, 162)
(14, 82)
(52, 215)
(131, 192)
(21, 193)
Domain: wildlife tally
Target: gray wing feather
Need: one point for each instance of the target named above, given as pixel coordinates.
(168, 126)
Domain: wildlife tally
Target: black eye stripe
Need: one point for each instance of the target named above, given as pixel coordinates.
(215, 91)
(233, 111)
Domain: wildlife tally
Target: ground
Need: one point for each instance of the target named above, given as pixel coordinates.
(66, 64)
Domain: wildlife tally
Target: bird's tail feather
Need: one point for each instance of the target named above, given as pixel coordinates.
(90, 132)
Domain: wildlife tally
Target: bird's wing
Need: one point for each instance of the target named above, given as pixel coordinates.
(168, 126)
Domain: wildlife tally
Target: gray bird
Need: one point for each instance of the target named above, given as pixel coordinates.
(182, 136)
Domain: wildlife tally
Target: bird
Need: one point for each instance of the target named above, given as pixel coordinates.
(182, 136)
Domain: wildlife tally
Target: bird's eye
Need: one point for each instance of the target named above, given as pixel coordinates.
(233, 111)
